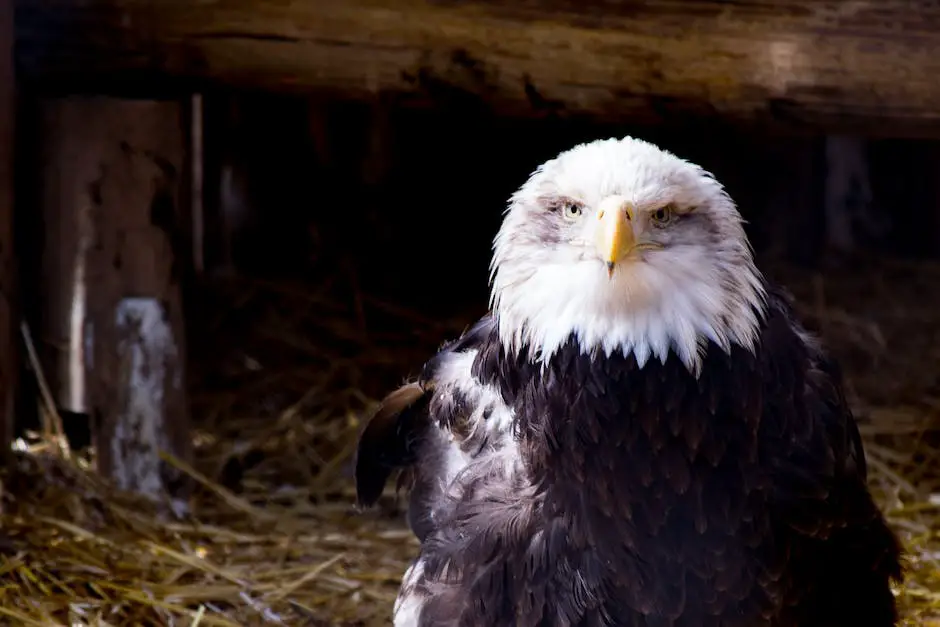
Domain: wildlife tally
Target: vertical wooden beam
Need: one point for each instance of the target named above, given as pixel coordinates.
(228, 209)
(380, 143)
(8, 287)
(68, 236)
(848, 191)
(112, 178)
(197, 177)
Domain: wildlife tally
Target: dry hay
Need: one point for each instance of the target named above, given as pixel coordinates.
(272, 537)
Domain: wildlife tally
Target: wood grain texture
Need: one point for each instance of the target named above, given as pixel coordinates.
(112, 186)
(8, 287)
(809, 62)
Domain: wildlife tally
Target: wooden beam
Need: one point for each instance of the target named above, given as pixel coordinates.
(831, 63)
(9, 364)
(111, 181)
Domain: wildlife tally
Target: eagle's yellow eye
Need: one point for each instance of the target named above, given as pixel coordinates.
(572, 211)
(662, 216)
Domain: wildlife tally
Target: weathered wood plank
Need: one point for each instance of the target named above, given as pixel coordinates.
(9, 365)
(112, 185)
(68, 234)
(819, 62)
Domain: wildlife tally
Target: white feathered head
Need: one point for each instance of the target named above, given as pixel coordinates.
(629, 248)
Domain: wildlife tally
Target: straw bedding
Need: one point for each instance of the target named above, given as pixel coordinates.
(270, 536)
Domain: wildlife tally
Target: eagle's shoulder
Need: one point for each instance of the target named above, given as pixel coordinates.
(434, 426)
(820, 495)
(806, 386)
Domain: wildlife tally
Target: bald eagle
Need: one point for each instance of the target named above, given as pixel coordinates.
(638, 433)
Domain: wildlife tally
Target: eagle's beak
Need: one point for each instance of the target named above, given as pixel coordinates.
(615, 238)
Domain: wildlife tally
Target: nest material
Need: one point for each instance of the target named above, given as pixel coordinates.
(271, 536)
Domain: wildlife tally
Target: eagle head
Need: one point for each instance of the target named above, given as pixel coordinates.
(623, 246)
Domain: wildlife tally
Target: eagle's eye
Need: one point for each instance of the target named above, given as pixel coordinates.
(571, 211)
(662, 216)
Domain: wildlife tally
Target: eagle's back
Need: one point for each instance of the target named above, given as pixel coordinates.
(649, 497)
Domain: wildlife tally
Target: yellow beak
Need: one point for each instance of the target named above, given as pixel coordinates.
(615, 238)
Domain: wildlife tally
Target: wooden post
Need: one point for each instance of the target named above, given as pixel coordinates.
(112, 172)
(8, 344)
(196, 164)
(848, 196)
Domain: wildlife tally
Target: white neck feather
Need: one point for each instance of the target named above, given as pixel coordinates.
(647, 309)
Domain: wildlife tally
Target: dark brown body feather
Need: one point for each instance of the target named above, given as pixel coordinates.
(652, 498)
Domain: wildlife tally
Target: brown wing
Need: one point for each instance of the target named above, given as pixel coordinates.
(390, 440)
(414, 424)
